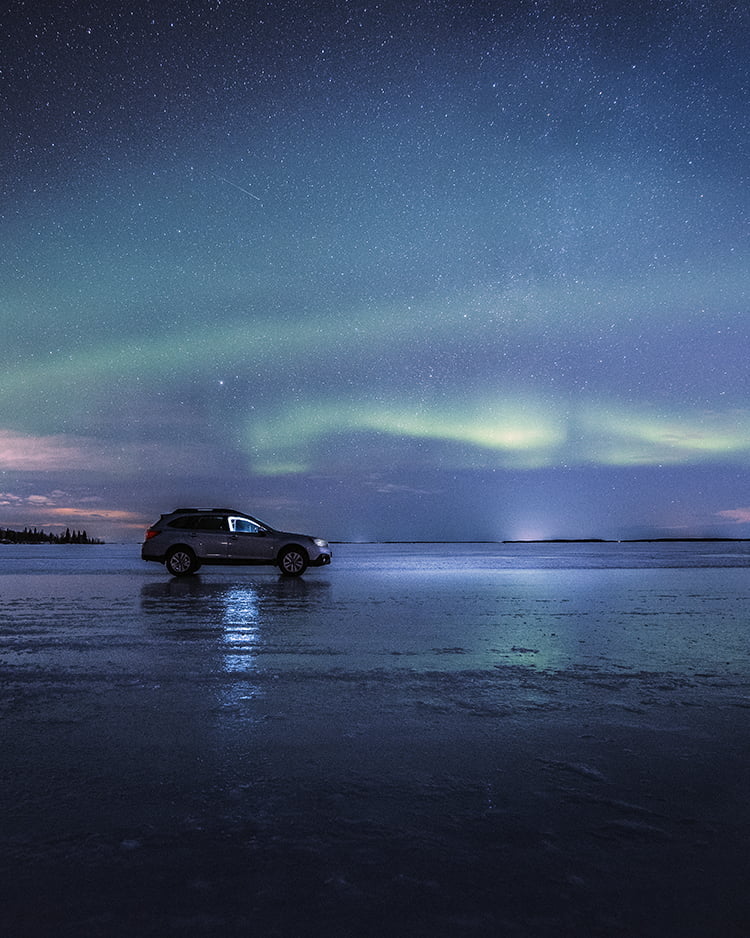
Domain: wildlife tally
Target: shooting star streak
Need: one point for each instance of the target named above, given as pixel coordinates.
(235, 186)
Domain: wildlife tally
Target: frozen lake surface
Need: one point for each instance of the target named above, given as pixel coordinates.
(421, 740)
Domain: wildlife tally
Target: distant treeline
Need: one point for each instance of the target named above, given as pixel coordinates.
(32, 536)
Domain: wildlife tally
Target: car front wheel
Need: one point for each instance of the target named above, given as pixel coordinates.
(181, 562)
(293, 561)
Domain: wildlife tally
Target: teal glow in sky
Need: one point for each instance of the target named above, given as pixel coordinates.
(385, 271)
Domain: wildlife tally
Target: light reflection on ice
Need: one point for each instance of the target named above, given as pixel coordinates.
(241, 620)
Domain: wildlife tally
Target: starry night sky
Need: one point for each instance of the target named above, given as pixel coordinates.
(431, 270)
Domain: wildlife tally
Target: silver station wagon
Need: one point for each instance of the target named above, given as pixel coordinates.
(187, 538)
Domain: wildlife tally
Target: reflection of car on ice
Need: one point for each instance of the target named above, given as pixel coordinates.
(186, 538)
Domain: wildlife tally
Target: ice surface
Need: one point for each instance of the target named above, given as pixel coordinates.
(528, 740)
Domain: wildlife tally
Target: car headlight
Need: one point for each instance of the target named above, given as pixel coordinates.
(319, 542)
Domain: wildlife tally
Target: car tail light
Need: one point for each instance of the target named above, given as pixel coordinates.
(152, 532)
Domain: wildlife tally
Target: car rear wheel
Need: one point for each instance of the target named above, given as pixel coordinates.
(293, 561)
(181, 562)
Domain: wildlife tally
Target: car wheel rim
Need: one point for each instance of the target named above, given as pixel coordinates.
(293, 563)
(179, 563)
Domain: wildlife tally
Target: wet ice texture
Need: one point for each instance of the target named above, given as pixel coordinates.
(420, 740)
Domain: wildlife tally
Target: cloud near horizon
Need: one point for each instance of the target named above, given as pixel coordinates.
(58, 509)
(27, 453)
(737, 515)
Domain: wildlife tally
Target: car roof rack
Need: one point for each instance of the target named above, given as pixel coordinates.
(228, 511)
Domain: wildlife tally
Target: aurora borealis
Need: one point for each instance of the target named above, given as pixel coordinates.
(438, 270)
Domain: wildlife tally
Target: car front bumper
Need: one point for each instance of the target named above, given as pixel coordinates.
(322, 560)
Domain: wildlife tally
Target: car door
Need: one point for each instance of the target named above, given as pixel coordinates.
(250, 541)
(211, 534)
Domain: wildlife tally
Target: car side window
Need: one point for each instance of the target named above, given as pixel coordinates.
(200, 523)
(243, 526)
(187, 522)
(212, 523)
